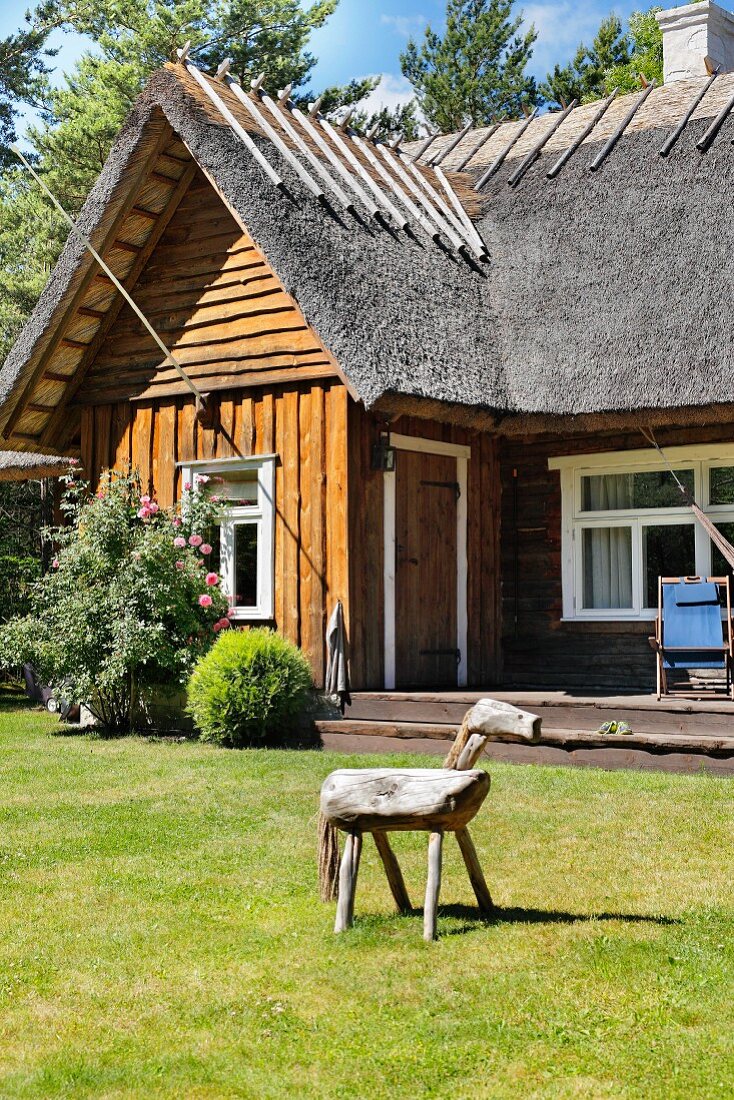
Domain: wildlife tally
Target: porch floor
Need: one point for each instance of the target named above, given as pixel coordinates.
(679, 734)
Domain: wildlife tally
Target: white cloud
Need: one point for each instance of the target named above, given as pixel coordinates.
(561, 25)
(407, 26)
(391, 92)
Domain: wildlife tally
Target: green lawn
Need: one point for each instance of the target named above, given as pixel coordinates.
(161, 934)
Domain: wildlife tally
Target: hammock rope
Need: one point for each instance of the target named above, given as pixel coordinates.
(725, 548)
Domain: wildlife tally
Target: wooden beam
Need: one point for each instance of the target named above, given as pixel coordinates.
(97, 314)
(125, 246)
(81, 290)
(117, 305)
(78, 344)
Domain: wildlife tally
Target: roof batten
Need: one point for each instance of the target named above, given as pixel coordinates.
(433, 230)
(284, 122)
(313, 132)
(609, 145)
(535, 152)
(441, 155)
(568, 153)
(349, 156)
(239, 130)
(477, 146)
(444, 226)
(425, 145)
(249, 104)
(499, 161)
(697, 99)
(711, 134)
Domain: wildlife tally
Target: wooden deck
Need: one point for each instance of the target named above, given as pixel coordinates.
(674, 734)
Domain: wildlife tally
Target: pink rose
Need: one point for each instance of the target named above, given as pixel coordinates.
(212, 579)
(201, 479)
(224, 624)
(145, 499)
(152, 508)
(176, 521)
(55, 563)
(100, 494)
(136, 555)
(73, 461)
(205, 600)
(179, 542)
(217, 627)
(179, 564)
(144, 512)
(195, 540)
(205, 548)
(231, 613)
(187, 486)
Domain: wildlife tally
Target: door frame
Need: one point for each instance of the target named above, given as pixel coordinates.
(462, 454)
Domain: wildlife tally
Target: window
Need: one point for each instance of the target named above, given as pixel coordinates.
(243, 544)
(625, 524)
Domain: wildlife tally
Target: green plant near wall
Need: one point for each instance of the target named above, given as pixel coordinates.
(129, 602)
(251, 688)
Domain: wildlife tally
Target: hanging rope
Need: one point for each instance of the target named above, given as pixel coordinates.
(726, 549)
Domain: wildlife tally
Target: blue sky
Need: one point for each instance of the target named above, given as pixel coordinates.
(365, 37)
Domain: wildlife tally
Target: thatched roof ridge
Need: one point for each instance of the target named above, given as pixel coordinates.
(605, 293)
(24, 466)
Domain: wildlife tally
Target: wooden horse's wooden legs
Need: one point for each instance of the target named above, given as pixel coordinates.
(433, 885)
(476, 875)
(393, 872)
(348, 870)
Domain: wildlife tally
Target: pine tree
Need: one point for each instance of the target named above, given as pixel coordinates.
(585, 77)
(475, 71)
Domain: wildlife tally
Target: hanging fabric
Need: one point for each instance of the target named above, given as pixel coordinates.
(725, 548)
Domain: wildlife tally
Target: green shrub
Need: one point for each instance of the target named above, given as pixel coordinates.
(249, 688)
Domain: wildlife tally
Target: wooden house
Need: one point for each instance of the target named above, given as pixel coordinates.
(429, 374)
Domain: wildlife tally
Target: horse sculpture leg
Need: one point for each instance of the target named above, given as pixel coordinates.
(348, 871)
(433, 885)
(393, 872)
(476, 875)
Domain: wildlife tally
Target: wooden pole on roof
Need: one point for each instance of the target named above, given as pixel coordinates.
(477, 146)
(169, 356)
(697, 99)
(499, 161)
(711, 134)
(449, 147)
(535, 152)
(602, 155)
(566, 156)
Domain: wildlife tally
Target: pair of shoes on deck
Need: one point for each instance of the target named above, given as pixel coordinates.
(614, 727)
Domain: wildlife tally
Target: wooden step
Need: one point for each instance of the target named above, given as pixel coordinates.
(560, 738)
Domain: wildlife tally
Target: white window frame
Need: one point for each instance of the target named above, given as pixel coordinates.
(260, 515)
(700, 458)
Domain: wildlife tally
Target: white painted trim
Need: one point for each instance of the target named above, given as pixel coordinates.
(462, 454)
(390, 673)
(700, 458)
(462, 570)
(648, 457)
(261, 515)
(429, 446)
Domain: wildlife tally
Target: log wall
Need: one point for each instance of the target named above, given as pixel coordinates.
(306, 426)
(539, 650)
(366, 562)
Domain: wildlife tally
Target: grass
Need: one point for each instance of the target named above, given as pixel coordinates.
(160, 934)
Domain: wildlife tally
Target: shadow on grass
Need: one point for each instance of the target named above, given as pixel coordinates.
(518, 915)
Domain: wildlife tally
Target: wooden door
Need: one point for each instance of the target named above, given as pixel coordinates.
(426, 496)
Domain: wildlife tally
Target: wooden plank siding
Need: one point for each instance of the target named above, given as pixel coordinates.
(214, 300)
(539, 650)
(366, 556)
(306, 426)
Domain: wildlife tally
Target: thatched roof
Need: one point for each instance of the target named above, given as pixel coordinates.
(24, 466)
(604, 293)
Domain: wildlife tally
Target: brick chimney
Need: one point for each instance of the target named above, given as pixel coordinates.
(692, 33)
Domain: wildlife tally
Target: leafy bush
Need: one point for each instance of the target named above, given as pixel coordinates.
(249, 688)
(129, 601)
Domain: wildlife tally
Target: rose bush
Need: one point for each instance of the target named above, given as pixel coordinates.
(131, 602)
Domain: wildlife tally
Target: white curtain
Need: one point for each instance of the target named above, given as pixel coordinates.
(607, 551)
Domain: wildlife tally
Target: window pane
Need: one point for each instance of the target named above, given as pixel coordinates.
(607, 492)
(719, 565)
(239, 487)
(245, 564)
(668, 550)
(721, 485)
(607, 567)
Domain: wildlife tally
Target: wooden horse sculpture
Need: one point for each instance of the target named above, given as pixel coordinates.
(382, 800)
